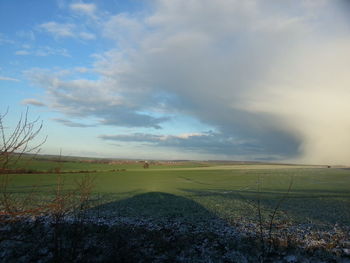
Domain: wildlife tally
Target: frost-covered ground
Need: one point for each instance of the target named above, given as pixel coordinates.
(171, 239)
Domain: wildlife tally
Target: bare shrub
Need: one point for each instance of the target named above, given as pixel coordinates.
(267, 241)
(266, 223)
(19, 141)
(23, 215)
(13, 145)
(69, 202)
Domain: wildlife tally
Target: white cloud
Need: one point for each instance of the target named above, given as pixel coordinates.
(124, 29)
(66, 30)
(26, 46)
(84, 8)
(28, 35)
(50, 51)
(22, 52)
(82, 69)
(59, 30)
(8, 79)
(33, 102)
(43, 51)
(5, 40)
(102, 99)
(87, 36)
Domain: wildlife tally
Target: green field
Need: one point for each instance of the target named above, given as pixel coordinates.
(193, 190)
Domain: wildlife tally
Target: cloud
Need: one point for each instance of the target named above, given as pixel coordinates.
(259, 71)
(102, 99)
(49, 51)
(70, 123)
(43, 52)
(136, 137)
(205, 143)
(59, 30)
(126, 117)
(81, 69)
(22, 52)
(87, 36)
(33, 102)
(8, 79)
(66, 30)
(28, 35)
(5, 40)
(123, 28)
(83, 8)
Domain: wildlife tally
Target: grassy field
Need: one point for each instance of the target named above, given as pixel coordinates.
(203, 189)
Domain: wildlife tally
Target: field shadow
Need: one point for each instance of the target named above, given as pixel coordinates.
(156, 206)
(176, 223)
(319, 207)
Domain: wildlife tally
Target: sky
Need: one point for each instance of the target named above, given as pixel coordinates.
(258, 80)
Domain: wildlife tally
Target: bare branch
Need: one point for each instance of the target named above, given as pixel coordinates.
(17, 142)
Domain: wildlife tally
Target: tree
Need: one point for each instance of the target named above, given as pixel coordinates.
(14, 143)
(146, 165)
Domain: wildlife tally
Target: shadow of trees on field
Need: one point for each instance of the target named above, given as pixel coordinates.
(185, 223)
(183, 233)
(320, 207)
(157, 205)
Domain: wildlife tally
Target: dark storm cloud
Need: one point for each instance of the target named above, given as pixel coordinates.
(209, 142)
